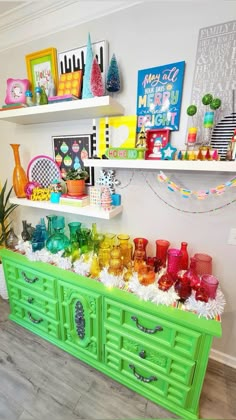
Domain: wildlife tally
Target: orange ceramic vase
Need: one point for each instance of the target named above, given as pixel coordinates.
(75, 187)
(19, 176)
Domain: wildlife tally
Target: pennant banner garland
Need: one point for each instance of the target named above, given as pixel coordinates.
(200, 195)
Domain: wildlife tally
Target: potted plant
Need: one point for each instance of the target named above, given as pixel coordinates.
(5, 210)
(75, 181)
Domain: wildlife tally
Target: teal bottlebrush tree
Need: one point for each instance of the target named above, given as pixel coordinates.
(86, 92)
(96, 83)
(113, 76)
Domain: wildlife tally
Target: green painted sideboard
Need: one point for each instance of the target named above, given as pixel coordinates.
(158, 351)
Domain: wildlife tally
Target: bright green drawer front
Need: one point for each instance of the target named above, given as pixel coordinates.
(155, 358)
(35, 301)
(144, 379)
(35, 281)
(35, 320)
(80, 320)
(155, 330)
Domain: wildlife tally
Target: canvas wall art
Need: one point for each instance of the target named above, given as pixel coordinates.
(159, 96)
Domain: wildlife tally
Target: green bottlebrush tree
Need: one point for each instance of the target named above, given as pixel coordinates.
(96, 83)
(113, 76)
(86, 92)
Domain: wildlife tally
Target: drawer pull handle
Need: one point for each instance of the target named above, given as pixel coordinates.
(30, 300)
(35, 321)
(28, 280)
(144, 329)
(142, 378)
(142, 354)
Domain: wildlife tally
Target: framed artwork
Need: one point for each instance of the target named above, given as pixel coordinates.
(74, 60)
(70, 84)
(70, 151)
(159, 95)
(41, 66)
(156, 140)
(16, 89)
(117, 132)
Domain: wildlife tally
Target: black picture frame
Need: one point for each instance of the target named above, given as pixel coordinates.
(69, 151)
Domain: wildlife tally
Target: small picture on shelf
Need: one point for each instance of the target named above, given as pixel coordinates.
(156, 140)
(70, 151)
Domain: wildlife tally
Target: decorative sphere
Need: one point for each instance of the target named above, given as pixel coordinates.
(215, 104)
(191, 110)
(207, 99)
(29, 188)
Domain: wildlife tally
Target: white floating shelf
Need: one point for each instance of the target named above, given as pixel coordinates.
(167, 165)
(89, 211)
(103, 106)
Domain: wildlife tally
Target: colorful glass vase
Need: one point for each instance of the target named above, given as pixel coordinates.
(161, 251)
(184, 258)
(174, 261)
(126, 248)
(183, 288)
(140, 248)
(203, 263)
(57, 242)
(20, 179)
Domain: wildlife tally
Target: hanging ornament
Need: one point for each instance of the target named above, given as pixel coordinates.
(64, 148)
(67, 160)
(77, 163)
(84, 154)
(75, 147)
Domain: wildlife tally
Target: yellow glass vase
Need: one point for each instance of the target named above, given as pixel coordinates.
(19, 176)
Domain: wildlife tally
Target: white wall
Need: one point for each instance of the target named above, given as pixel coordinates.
(146, 35)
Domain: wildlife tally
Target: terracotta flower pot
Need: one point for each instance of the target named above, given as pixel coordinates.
(75, 187)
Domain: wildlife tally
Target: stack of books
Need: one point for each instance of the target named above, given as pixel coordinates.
(13, 106)
(64, 98)
(78, 201)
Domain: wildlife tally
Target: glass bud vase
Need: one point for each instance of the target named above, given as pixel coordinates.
(125, 248)
(19, 176)
(184, 259)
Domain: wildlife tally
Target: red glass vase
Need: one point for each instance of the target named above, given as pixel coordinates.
(184, 258)
(161, 251)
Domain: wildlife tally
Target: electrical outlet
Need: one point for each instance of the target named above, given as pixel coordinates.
(232, 237)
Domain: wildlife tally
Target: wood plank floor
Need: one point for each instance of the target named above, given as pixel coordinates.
(39, 381)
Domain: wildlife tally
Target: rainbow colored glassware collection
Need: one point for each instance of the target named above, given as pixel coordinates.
(119, 256)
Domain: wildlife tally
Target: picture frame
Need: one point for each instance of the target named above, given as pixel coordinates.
(69, 151)
(41, 65)
(156, 140)
(15, 92)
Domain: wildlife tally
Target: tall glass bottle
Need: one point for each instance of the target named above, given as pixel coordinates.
(20, 179)
(184, 258)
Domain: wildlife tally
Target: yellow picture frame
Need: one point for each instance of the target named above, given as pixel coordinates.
(40, 66)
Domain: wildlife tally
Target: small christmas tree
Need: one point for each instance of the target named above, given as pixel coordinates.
(113, 77)
(96, 83)
(86, 93)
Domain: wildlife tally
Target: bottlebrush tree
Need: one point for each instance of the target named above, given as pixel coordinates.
(96, 83)
(86, 92)
(113, 76)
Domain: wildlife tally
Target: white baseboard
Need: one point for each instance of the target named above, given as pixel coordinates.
(223, 358)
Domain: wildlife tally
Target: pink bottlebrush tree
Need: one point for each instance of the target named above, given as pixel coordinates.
(96, 83)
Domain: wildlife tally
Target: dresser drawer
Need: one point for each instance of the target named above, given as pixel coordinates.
(32, 279)
(144, 380)
(34, 320)
(154, 330)
(35, 301)
(155, 358)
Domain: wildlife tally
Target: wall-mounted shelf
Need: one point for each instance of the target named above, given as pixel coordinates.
(88, 211)
(103, 106)
(167, 165)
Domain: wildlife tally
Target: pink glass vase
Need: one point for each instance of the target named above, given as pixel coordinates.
(203, 264)
(210, 284)
(174, 261)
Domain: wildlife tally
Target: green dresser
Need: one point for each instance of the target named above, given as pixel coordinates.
(159, 352)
